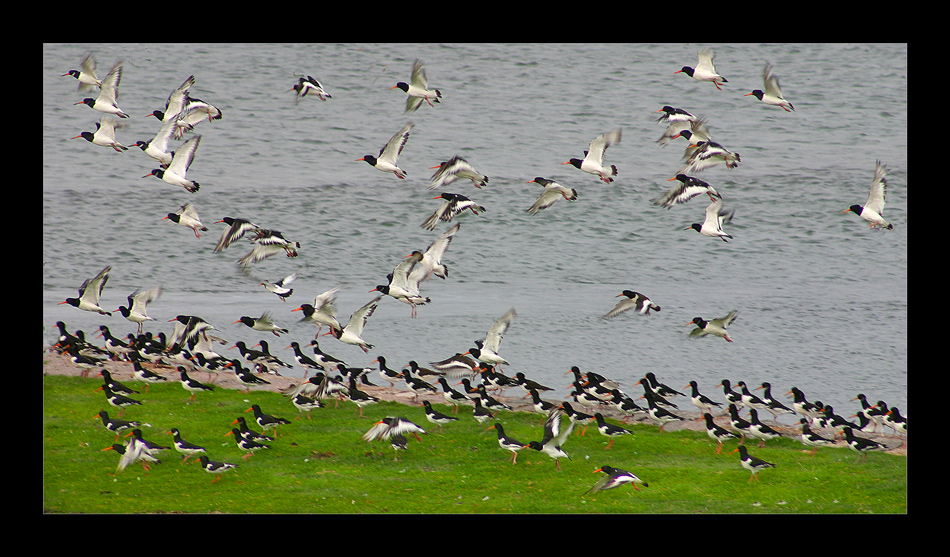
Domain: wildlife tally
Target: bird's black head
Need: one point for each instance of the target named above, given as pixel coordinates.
(157, 113)
(757, 94)
(401, 85)
(695, 226)
(686, 70)
(855, 209)
(370, 159)
(576, 162)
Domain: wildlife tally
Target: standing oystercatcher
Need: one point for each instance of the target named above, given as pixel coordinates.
(751, 463)
(716, 433)
(117, 400)
(436, 417)
(115, 425)
(861, 445)
(508, 443)
(192, 385)
(249, 446)
(610, 430)
(184, 447)
(215, 467)
(266, 421)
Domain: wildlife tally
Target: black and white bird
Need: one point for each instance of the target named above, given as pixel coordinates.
(247, 445)
(551, 193)
(115, 425)
(391, 426)
(184, 447)
(633, 301)
(247, 378)
(266, 421)
(453, 204)
(552, 441)
(771, 404)
(454, 169)
(717, 433)
(759, 430)
(192, 385)
(507, 442)
(89, 292)
(401, 287)
(187, 215)
(87, 75)
(104, 135)
(430, 261)
(388, 156)
(138, 303)
(352, 333)
(716, 216)
(268, 243)
(703, 154)
(237, 228)
(280, 288)
(322, 311)
(687, 188)
(175, 173)
(108, 98)
(436, 417)
(705, 69)
(263, 323)
(615, 477)
(592, 163)
(487, 351)
(811, 439)
(751, 463)
(418, 88)
(676, 120)
(772, 95)
(701, 401)
(158, 147)
(861, 445)
(175, 104)
(309, 86)
(716, 327)
(215, 467)
(873, 209)
(610, 430)
(118, 400)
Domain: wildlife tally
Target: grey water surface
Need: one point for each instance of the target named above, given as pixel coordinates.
(822, 299)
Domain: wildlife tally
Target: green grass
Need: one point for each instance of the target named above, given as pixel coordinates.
(322, 465)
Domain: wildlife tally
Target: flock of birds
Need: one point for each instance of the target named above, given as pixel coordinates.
(190, 346)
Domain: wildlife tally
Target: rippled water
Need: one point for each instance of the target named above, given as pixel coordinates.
(822, 300)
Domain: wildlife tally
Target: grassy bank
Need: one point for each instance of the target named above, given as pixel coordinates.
(322, 466)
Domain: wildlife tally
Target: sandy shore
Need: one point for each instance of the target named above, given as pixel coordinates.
(57, 364)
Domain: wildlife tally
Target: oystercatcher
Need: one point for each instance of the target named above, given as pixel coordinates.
(117, 400)
(688, 188)
(873, 209)
(861, 445)
(145, 375)
(635, 301)
(192, 385)
(615, 477)
(87, 76)
(812, 439)
(701, 401)
(391, 426)
(89, 293)
(249, 433)
(773, 91)
(610, 430)
(751, 463)
(592, 163)
(305, 86)
(454, 169)
(453, 204)
(772, 405)
(280, 287)
(114, 385)
(352, 333)
(266, 421)
(107, 101)
(552, 192)
(553, 439)
(436, 417)
(322, 312)
(705, 69)
(738, 424)
(577, 416)
(116, 425)
(249, 446)
(389, 154)
(305, 404)
(508, 443)
(262, 323)
(418, 88)
(453, 396)
(716, 433)
(480, 413)
(247, 378)
(184, 447)
(358, 397)
(215, 467)
(759, 430)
